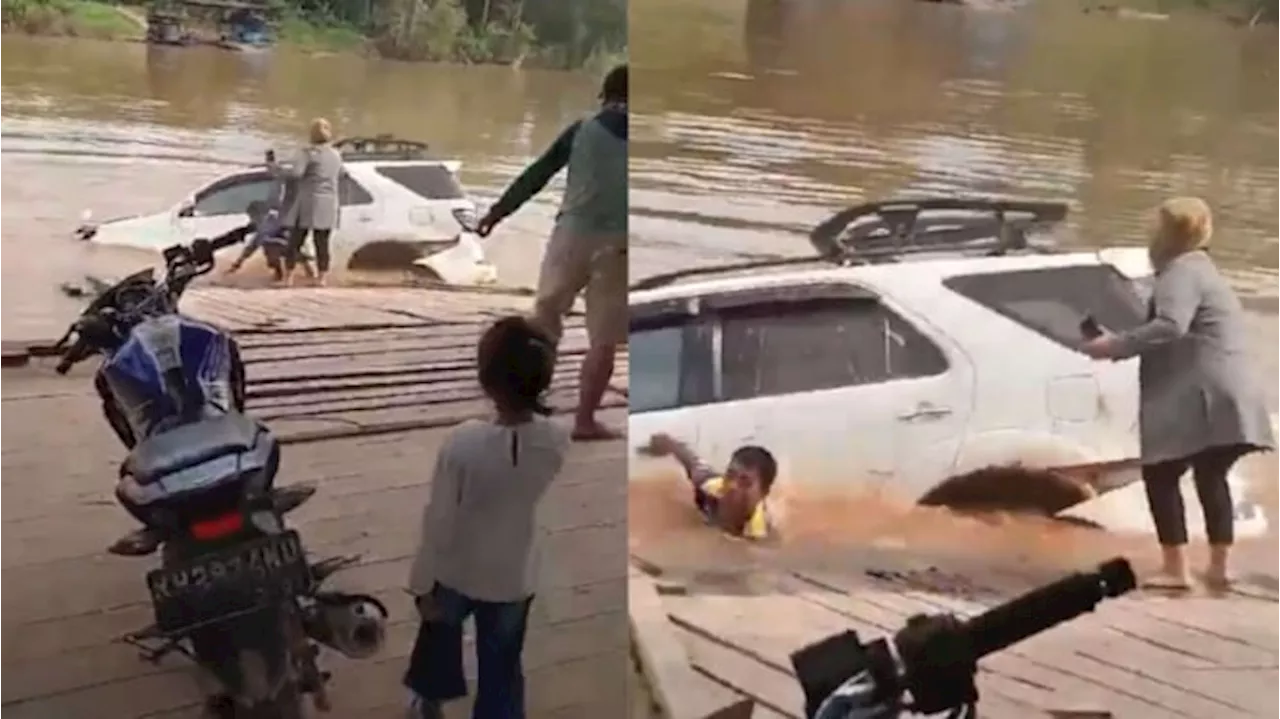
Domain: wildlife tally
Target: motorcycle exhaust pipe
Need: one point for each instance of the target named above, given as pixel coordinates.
(355, 625)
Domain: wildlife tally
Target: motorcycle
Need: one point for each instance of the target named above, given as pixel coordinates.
(934, 658)
(235, 590)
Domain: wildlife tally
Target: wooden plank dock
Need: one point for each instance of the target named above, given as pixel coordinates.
(1142, 656)
(361, 385)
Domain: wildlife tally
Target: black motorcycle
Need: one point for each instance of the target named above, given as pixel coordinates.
(235, 590)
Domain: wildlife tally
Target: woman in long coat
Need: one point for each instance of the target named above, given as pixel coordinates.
(1202, 406)
(316, 169)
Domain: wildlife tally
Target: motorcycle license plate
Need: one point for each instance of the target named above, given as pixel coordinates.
(224, 582)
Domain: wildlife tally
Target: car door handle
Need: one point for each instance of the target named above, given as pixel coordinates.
(925, 412)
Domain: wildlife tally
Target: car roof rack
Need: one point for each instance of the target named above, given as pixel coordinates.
(880, 232)
(380, 147)
(969, 226)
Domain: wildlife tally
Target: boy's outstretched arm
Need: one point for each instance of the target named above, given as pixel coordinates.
(532, 180)
(698, 471)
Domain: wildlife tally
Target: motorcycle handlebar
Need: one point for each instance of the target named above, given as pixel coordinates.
(1048, 606)
(936, 657)
(70, 357)
(182, 265)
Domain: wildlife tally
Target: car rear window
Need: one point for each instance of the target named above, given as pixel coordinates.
(1053, 301)
(431, 181)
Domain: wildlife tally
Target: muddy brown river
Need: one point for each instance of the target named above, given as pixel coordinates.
(121, 128)
(754, 119)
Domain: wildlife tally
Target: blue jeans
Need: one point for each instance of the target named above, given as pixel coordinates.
(435, 667)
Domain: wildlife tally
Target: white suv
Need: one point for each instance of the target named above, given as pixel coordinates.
(943, 341)
(395, 201)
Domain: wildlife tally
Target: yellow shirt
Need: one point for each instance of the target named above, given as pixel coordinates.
(757, 526)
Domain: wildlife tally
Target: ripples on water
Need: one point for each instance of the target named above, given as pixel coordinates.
(120, 128)
(753, 121)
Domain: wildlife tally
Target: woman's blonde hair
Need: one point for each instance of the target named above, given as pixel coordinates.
(321, 131)
(1183, 224)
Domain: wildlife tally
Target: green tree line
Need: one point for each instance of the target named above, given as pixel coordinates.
(548, 33)
(560, 33)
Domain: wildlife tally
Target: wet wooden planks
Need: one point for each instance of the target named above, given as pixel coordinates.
(330, 362)
(65, 601)
(1138, 656)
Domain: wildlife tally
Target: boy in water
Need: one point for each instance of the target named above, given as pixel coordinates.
(480, 540)
(266, 232)
(735, 500)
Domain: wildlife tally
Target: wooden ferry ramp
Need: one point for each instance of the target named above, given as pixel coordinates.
(707, 643)
(361, 385)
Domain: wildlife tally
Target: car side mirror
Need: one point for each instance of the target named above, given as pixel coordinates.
(187, 211)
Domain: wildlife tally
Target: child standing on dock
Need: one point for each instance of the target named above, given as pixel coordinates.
(480, 540)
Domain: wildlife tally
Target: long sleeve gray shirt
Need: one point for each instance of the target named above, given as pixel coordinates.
(480, 534)
(1198, 387)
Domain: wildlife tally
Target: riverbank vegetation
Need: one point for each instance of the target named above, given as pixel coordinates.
(74, 18)
(547, 33)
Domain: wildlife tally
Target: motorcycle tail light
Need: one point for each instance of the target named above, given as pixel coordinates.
(217, 527)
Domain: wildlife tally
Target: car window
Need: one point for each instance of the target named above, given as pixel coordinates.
(788, 347)
(351, 192)
(232, 195)
(1053, 301)
(431, 181)
(670, 364)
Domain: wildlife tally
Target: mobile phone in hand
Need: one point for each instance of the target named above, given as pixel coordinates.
(1089, 328)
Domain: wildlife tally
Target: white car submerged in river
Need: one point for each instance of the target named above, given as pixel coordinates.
(399, 209)
(928, 349)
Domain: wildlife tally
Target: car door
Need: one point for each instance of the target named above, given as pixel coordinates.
(669, 382)
(1087, 403)
(222, 205)
(360, 217)
(932, 383)
(430, 195)
(844, 390)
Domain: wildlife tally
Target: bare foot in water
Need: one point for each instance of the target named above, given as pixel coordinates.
(595, 432)
(1167, 582)
(1218, 581)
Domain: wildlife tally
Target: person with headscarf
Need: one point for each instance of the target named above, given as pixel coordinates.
(314, 208)
(1201, 404)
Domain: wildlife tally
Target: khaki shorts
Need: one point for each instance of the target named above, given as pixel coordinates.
(595, 267)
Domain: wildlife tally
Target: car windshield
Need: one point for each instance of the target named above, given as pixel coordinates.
(428, 180)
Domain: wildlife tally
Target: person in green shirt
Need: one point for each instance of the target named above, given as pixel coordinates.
(587, 252)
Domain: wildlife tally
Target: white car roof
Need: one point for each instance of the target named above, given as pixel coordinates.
(450, 165)
(1130, 261)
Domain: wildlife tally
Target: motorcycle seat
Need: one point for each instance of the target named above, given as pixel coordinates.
(188, 445)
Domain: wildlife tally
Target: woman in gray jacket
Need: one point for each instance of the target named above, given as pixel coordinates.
(316, 169)
(1201, 406)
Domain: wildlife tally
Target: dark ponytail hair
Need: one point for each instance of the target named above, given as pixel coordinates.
(516, 361)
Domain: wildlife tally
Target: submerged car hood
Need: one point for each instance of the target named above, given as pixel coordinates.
(143, 232)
